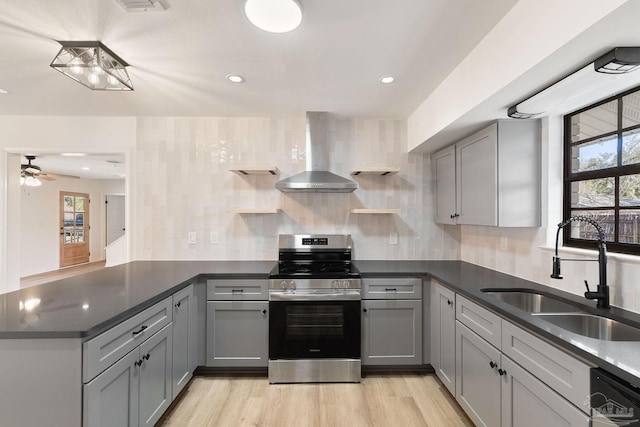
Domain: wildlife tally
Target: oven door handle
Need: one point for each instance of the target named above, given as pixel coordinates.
(328, 296)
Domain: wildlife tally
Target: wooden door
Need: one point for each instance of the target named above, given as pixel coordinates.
(74, 228)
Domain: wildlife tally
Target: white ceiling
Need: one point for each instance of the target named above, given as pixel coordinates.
(179, 58)
(87, 166)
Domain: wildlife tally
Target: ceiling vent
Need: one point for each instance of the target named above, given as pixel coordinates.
(141, 5)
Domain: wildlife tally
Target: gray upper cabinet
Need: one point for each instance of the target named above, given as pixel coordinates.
(185, 338)
(497, 177)
(443, 343)
(443, 169)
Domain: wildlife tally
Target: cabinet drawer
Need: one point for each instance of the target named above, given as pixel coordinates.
(104, 350)
(479, 320)
(559, 370)
(392, 288)
(238, 290)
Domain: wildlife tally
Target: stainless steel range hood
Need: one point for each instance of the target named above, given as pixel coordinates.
(317, 178)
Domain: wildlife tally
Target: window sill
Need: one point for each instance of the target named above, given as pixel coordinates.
(625, 258)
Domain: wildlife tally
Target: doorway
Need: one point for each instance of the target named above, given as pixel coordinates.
(74, 228)
(115, 217)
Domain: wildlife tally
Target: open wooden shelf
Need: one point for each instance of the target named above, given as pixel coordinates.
(382, 171)
(375, 211)
(255, 211)
(255, 170)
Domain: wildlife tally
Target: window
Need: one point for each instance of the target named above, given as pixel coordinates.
(602, 173)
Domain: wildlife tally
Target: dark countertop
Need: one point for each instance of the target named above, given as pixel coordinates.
(86, 305)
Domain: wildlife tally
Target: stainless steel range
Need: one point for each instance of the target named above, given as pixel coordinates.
(314, 305)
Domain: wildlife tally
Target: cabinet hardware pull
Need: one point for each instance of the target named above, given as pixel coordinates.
(493, 365)
(502, 372)
(178, 304)
(449, 302)
(147, 356)
(264, 311)
(364, 309)
(138, 362)
(140, 331)
(390, 289)
(237, 290)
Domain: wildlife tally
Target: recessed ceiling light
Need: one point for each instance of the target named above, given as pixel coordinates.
(3, 91)
(73, 154)
(274, 16)
(86, 168)
(387, 79)
(235, 78)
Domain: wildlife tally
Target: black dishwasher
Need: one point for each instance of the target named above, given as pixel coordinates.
(614, 401)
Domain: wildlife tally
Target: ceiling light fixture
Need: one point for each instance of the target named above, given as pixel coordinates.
(605, 76)
(387, 79)
(29, 173)
(235, 78)
(3, 91)
(274, 16)
(93, 65)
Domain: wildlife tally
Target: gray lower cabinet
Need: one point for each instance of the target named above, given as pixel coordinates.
(185, 339)
(136, 390)
(391, 332)
(443, 328)
(237, 333)
(527, 402)
(478, 381)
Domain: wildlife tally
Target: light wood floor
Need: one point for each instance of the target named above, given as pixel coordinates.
(385, 400)
(63, 273)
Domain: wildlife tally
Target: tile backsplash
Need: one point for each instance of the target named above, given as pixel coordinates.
(182, 184)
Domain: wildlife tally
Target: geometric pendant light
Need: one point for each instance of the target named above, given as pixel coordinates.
(93, 65)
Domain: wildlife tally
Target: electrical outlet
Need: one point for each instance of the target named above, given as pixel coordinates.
(393, 238)
(214, 238)
(191, 239)
(503, 243)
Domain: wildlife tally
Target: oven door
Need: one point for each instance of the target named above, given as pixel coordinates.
(314, 329)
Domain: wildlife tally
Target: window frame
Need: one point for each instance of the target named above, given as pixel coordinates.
(614, 172)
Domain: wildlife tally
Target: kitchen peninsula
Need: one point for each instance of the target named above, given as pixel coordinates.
(44, 330)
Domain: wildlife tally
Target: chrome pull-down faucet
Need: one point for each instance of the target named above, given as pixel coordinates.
(602, 292)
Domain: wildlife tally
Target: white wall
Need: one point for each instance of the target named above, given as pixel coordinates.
(40, 221)
(184, 185)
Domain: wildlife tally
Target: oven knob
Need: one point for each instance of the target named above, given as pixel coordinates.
(283, 284)
(345, 284)
(336, 284)
(292, 285)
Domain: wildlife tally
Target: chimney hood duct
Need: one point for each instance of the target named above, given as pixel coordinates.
(317, 179)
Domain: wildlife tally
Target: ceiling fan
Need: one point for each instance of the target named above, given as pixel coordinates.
(31, 174)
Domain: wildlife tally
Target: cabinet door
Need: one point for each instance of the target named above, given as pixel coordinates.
(391, 332)
(527, 402)
(111, 398)
(443, 335)
(443, 165)
(237, 333)
(184, 339)
(477, 178)
(155, 376)
(478, 382)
